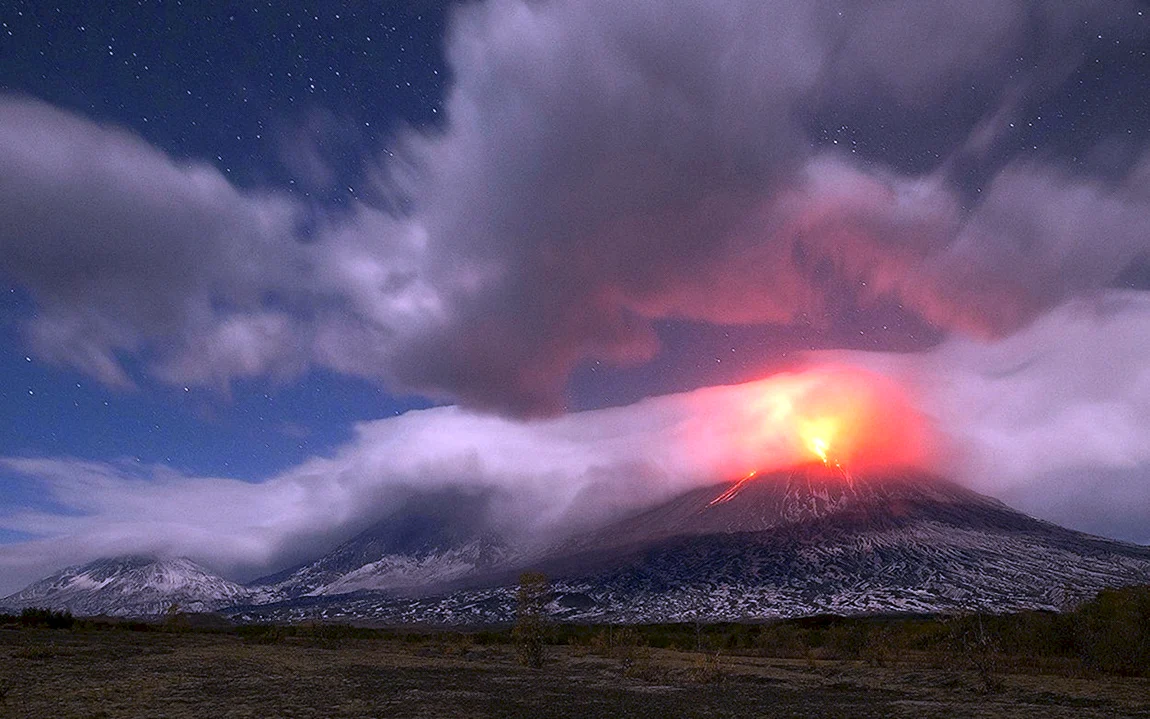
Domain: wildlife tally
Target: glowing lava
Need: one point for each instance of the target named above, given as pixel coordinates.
(848, 420)
(730, 493)
(819, 447)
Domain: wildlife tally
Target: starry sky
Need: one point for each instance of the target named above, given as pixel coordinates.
(549, 160)
(226, 84)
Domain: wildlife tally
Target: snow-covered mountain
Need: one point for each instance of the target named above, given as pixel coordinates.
(429, 542)
(130, 587)
(806, 541)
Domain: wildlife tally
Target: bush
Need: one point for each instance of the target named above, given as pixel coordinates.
(1113, 631)
(708, 669)
(528, 633)
(977, 644)
(37, 617)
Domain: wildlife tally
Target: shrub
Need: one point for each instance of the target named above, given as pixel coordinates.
(1113, 631)
(708, 669)
(977, 645)
(528, 632)
(37, 617)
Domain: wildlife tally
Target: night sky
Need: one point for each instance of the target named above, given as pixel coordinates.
(318, 116)
(227, 85)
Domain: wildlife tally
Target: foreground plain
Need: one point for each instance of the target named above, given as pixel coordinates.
(117, 673)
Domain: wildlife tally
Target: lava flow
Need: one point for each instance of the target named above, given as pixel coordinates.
(730, 493)
(818, 446)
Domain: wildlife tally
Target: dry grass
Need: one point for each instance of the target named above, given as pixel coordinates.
(151, 674)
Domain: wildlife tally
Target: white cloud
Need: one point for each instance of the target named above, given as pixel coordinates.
(1052, 419)
(550, 476)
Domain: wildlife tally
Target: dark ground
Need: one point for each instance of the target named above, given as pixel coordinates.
(45, 673)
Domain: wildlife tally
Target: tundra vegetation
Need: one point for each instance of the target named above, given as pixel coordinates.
(1093, 661)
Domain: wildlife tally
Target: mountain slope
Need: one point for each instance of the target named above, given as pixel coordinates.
(805, 541)
(801, 542)
(430, 541)
(130, 586)
(806, 493)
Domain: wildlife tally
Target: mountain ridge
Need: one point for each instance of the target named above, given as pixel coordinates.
(425, 542)
(808, 540)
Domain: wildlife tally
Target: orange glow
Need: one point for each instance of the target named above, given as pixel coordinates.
(819, 446)
(848, 419)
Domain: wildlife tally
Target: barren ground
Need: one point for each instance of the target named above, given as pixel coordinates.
(144, 674)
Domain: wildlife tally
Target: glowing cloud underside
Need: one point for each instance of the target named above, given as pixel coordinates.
(840, 416)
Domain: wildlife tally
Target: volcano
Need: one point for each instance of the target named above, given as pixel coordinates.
(793, 497)
(814, 539)
(804, 541)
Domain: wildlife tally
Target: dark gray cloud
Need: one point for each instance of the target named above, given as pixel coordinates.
(1038, 237)
(610, 163)
(603, 165)
(126, 250)
(121, 246)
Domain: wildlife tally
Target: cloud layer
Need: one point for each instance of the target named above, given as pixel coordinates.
(604, 165)
(1024, 419)
(547, 477)
(1051, 419)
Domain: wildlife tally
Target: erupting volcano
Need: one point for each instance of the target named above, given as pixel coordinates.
(842, 417)
(813, 539)
(846, 420)
(826, 509)
(837, 515)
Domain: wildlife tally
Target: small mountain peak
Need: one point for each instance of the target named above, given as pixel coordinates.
(133, 585)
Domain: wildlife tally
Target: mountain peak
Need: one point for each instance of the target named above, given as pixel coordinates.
(761, 502)
(131, 585)
(426, 542)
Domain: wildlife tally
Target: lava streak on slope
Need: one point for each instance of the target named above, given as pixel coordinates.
(730, 493)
